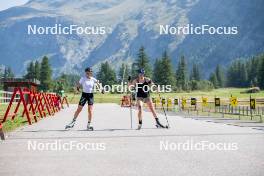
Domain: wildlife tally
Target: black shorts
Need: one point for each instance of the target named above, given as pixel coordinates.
(86, 97)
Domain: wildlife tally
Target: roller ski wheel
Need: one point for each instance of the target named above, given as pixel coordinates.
(161, 126)
(139, 127)
(90, 129)
(69, 126)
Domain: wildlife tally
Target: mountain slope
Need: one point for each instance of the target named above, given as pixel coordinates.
(131, 24)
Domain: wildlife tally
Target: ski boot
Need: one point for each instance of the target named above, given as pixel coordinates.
(159, 125)
(139, 126)
(89, 127)
(70, 125)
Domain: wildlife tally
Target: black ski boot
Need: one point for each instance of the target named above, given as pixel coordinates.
(139, 125)
(159, 125)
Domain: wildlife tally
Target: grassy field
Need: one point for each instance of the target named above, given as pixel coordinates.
(223, 93)
(10, 125)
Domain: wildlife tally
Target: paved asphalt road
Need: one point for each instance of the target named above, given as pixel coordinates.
(115, 149)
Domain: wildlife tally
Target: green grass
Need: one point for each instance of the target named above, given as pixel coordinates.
(98, 98)
(223, 93)
(10, 125)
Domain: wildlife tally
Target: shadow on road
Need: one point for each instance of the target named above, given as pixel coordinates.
(139, 136)
(63, 130)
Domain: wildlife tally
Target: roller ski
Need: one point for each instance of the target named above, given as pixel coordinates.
(159, 125)
(139, 126)
(89, 127)
(70, 125)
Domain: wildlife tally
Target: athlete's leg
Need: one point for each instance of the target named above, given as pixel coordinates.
(151, 108)
(77, 112)
(140, 107)
(90, 113)
(82, 102)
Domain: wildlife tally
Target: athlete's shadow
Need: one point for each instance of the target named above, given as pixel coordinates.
(116, 129)
(109, 129)
(35, 131)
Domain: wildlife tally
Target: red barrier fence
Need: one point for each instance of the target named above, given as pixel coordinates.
(2, 136)
(34, 104)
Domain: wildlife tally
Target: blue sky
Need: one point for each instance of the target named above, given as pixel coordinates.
(5, 4)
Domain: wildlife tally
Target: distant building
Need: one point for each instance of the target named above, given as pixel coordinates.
(10, 83)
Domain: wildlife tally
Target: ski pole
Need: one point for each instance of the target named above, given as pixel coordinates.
(131, 99)
(164, 112)
(131, 111)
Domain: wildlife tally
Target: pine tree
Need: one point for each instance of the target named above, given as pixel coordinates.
(195, 73)
(167, 75)
(213, 80)
(157, 71)
(181, 74)
(260, 75)
(8, 73)
(237, 74)
(220, 76)
(143, 62)
(243, 76)
(5, 75)
(134, 70)
(252, 71)
(30, 71)
(1, 73)
(123, 72)
(67, 82)
(232, 74)
(106, 74)
(45, 74)
(37, 70)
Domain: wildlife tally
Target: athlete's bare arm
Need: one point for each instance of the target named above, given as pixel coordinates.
(149, 81)
(78, 86)
(100, 87)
